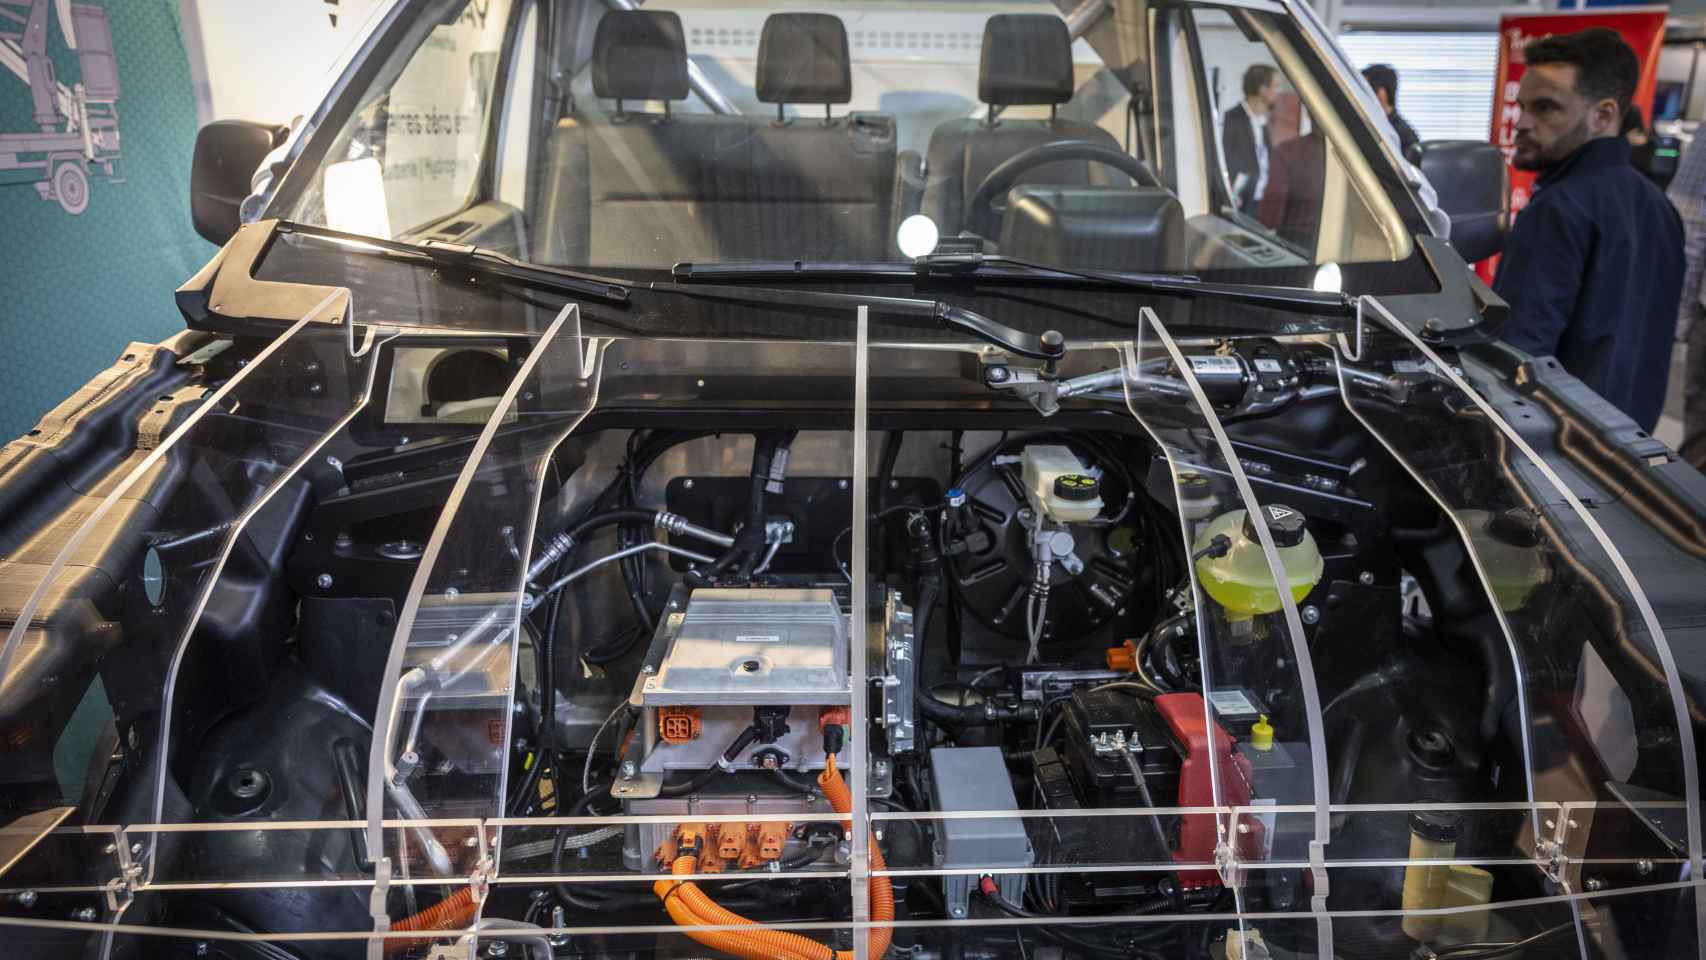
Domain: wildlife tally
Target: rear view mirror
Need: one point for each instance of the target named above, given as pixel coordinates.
(227, 154)
(1473, 185)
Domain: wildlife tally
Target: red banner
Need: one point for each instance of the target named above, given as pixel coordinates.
(1643, 28)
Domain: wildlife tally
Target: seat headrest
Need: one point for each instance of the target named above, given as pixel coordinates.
(1027, 59)
(802, 58)
(639, 55)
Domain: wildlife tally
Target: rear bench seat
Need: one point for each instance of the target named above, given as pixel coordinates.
(652, 189)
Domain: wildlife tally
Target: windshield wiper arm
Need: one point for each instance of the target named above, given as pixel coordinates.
(476, 260)
(983, 266)
(1048, 347)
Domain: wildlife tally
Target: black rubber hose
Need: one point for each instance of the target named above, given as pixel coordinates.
(934, 710)
(1345, 767)
(597, 521)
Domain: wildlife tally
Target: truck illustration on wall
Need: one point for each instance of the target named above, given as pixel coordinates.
(77, 125)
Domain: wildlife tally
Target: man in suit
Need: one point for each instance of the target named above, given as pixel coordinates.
(1245, 138)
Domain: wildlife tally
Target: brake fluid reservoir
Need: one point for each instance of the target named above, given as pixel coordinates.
(1059, 486)
(1238, 578)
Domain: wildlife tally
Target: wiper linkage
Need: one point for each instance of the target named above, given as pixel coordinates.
(1049, 347)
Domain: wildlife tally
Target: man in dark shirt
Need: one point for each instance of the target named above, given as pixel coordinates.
(1593, 267)
(1384, 80)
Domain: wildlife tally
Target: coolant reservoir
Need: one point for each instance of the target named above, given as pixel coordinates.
(1059, 486)
(1238, 577)
(1508, 545)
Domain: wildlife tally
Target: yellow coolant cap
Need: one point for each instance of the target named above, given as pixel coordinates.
(1262, 734)
(1234, 570)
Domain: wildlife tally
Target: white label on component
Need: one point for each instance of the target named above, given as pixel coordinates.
(1216, 365)
(1230, 702)
(1268, 365)
(758, 638)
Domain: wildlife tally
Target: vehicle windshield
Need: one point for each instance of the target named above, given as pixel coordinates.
(1188, 138)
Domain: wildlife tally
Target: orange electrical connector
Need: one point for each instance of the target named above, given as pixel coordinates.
(689, 839)
(749, 858)
(709, 862)
(772, 837)
(678, 724)
(731, 838)
(667, 851)
(1123, 658)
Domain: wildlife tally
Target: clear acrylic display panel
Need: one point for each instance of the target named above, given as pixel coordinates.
(190, 493)
(1577, 629)
(1249, 644)
(448, 688)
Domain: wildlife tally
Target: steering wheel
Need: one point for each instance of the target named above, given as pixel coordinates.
(980, 209)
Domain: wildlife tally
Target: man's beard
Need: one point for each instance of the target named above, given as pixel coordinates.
(1557, 153)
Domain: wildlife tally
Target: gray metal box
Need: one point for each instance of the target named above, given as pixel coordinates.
(753, 646)
(975, 778)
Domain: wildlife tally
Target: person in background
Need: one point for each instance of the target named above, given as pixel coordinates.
(1384, 80)
(1593, 266)
(1688, 192)
(1245, 138)
(1652, 154)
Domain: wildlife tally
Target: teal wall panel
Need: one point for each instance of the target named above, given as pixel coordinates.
(74, 289)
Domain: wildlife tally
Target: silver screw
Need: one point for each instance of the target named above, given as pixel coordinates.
(497, 948)
(201, 948)
(687, 484)
(84, 915)
(1366, 578)
(1310, 614)
(959, 911)
(629, 769)
(110, 849)
(323, 581)
(334, 463)
(1594, 884)
(699, 383)
(894, 484)
(648, 669)
(27, 898)
(841, 483)
(1643, 867)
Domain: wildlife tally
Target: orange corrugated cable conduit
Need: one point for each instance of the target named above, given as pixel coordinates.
(690, 906)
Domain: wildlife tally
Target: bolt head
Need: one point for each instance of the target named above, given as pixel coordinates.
(1310, 614)
(323, 581)
(497, 948)
(687, 484)
(84, 915)
(1366, 578)
(28, 897)
(997, 374)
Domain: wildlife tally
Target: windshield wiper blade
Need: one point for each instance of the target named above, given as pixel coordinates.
(476, 260)
(1048, 347)
(981, 266)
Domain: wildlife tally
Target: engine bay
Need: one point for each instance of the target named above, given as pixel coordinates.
(633, 663)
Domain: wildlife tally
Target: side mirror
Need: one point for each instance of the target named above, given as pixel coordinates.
(1473, 185)
(227, 154)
